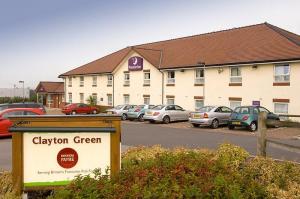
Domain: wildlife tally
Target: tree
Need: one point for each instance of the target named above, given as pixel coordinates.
(91, 100)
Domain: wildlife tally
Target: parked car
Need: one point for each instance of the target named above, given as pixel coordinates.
(79, 108)
(120, 110)
(22, 105)
(211, 116)
(138, 112)
(5, 123)
(247, 116)
(166, 114)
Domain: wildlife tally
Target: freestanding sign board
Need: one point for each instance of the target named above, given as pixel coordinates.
(50, 151)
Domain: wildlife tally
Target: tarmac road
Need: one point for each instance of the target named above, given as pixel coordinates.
(135, 134)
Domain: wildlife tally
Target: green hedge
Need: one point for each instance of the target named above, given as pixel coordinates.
(181, 173)
(156, 172)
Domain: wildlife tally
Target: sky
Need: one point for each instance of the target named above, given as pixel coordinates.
(41, 39)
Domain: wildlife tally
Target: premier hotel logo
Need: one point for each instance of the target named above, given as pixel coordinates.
(67, 158)
(135, 63)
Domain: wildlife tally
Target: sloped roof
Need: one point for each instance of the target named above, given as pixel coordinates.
(50, 87)
(250, 44)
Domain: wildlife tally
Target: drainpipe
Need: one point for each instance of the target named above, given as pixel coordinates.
(162, 77)
(204, 100)
(113, 93)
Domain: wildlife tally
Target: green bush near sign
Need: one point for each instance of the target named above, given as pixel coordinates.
(183, 173)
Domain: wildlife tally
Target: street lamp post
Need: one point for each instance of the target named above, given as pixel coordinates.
(22, 82)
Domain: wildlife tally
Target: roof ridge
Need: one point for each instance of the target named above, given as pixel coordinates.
(201, 34)
(94, 60)
(280, 30)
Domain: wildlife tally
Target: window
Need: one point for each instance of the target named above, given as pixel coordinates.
(109, 80)
(12, 113)
(94, 81)
(225, 109)
(282, 73)
(281, 108)
(95, 97)
(235, 75)
(126, 79)
(81, 97)
(29, 113)
(171, 77)
(126, 99)
(234, 104)
(170, 108)
(198, 104)
(146, 78)
(109, 99)
(170, 101)
(70, 97)
(199, 76)
(49, 99)
(81, 84)
(146, 100)
(70, 81)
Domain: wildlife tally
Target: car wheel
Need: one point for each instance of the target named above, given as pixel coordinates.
(141, 117)
(94, 111)
(196, 125)
(253, 126)
(73, 112)
(124, 116)
(215, 124)
(166, 120)
(231, 127)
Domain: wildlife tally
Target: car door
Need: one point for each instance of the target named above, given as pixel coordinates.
(170, 111)
(218, 115)
(226, 112)
(180, 113)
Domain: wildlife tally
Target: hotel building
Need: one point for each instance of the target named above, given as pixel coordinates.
(252, 65)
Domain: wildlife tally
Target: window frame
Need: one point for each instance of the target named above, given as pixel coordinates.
(147, 98)
(147, 81)
(289, 74)
(171, 80)
(171, 98)
(81, 100)
(240, 76)
(94, 81)
(70, 99)
(124, 99)
(69, 81)
(81, 81)
(199, 80)
(126, 79)
(234, 101)
(95, 96)
(195, 103)
(109, 100)
(109, 80)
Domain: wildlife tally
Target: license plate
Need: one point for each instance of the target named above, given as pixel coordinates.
(236, 123)
(196, 116)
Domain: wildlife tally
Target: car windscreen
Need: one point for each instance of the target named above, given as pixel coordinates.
(159, 107)
(205, 109)
(118, 107)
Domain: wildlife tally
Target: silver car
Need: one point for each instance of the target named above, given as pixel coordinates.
(166, 114)
(120, 110)
(210, 116)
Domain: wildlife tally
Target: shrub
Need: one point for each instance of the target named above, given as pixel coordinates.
(6, 188)
(182, 173)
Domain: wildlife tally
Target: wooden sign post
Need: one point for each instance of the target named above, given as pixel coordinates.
(50, 151)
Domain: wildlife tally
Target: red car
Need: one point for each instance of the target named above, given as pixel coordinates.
(5, 123)
(79, 108)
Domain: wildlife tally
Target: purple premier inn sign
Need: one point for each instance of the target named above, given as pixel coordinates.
(135, 63)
